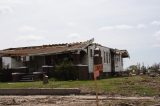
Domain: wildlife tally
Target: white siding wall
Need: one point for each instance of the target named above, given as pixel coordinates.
(90, 58)
(106, 66)
(105, 61)
(118, 64)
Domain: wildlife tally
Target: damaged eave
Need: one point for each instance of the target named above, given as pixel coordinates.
(125, 54)
(47, 49)
(53, 53)
(10, 54)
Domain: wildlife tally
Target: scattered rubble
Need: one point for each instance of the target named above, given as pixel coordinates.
(81, 100)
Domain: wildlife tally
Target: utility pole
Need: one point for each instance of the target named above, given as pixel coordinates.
(97, 67)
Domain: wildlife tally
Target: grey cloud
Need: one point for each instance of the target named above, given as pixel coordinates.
(5, 9)
(157, 39)
(157, 34)
(12, 2)
(74, 35)
(156, 45)
(141, 26)
(114, 23)
(71, 24)
(155, 23)
(122, 27)
(30, 38)
(118, 27)
(26, 28)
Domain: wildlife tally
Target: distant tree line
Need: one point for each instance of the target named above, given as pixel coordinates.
(142, 69)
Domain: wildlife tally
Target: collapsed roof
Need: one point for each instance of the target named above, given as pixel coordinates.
(53, 49)
(45, 49)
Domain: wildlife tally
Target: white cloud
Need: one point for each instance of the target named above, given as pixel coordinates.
(118, 27)
(71, 24)
(12, 1)
(155, 23)
(156, 45)
(157, 39)
(74, 35)
(31, 29)
(106, 28)
(123, 27)
(141, 26)
(157, 34)
(5, 9)
(30, 38)
(26, 29)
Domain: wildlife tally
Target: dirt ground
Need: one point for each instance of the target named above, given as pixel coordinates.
(80, 100)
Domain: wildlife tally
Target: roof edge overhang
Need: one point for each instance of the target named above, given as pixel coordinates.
(54, 53)
(123, 53)
(38, 54)
(10, 52)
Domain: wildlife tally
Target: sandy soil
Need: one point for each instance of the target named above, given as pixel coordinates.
(80, 100)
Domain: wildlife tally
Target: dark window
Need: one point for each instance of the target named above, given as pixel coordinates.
(109, 57)
(91, 53)
(104, 57)
(18, 58)
(121, 61)
(23, 58)
(119, 58)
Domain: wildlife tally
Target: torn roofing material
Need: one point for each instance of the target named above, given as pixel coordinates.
(124, 53)
(55, 49)
(46, 49)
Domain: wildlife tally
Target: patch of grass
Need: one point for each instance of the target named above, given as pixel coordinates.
(128, 86)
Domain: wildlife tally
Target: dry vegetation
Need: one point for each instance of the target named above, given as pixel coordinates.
(125, 86)
(125, 91)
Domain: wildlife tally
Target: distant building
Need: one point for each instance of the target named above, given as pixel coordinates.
(81, 54)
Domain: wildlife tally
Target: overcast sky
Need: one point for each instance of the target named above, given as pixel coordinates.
(124, 24)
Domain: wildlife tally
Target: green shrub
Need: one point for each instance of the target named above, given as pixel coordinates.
(65, 71)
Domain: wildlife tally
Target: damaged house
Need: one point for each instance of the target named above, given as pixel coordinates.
(36, 60)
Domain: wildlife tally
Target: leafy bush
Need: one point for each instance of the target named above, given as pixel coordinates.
(65, 71)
